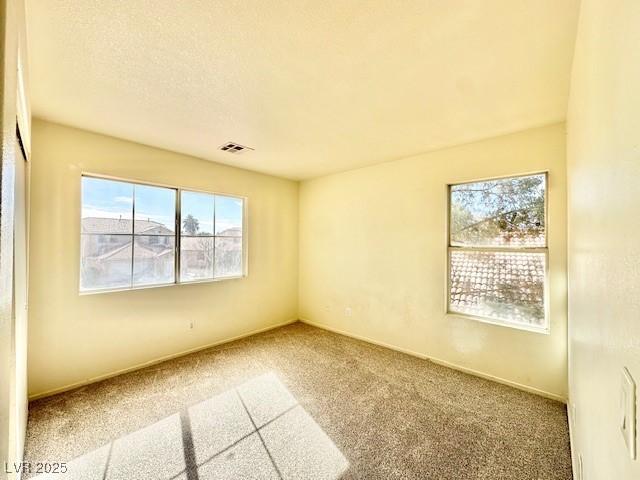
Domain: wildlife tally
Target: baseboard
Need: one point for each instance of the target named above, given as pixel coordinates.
(149, 363)
(444, 363)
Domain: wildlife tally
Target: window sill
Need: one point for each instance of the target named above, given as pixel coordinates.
(500, 323)
(163, 285)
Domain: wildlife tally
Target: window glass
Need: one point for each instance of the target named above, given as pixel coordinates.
(105, 261)
(228, 257)
(129, 238)
(497, 250)
(204, 255)
(155, 210)
(153, 260)
(507, 211)
(499, 285)
(111, 257)
(196, 258)
(228, 216)
(107, 206)
(197, 210)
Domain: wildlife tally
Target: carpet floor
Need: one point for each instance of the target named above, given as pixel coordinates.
(297, 402)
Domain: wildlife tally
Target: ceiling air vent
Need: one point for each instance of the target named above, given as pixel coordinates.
(232, 147)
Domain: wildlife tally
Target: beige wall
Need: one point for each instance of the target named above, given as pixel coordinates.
(604, 231)
(374, 240)
(75, 338)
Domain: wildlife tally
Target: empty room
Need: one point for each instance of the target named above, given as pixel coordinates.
(319, 240)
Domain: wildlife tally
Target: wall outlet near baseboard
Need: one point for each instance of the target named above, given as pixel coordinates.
(348, 312)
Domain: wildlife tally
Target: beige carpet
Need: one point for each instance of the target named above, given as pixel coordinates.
(299, 402)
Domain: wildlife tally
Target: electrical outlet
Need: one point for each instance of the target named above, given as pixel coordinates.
(191, 325)
(348, 312)
(628, 412)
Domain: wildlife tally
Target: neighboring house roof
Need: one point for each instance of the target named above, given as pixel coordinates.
(124, 253)
(96, 225)
(194, 244)
(231, 232)
(106, 226)
(122, 226)
(491, 284)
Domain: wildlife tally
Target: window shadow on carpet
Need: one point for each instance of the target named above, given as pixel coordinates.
(257, 430)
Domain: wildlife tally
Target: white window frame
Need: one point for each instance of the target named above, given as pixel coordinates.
(450, 310)
(177, 235)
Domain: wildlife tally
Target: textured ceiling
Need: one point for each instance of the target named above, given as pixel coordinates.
(314, 86)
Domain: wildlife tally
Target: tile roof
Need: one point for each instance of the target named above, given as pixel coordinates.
(498, 285)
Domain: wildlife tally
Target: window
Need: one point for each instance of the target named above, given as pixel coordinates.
(129, 237)
(498, 250)
(211, 236)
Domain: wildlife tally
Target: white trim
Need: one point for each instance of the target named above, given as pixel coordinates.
(519, 386)
(23, 107)
(572, 448)
(498, 322)
(96, 291)
(149, 363)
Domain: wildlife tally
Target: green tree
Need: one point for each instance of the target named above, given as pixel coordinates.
(509, 209)
(190, 225)
(461, 217)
